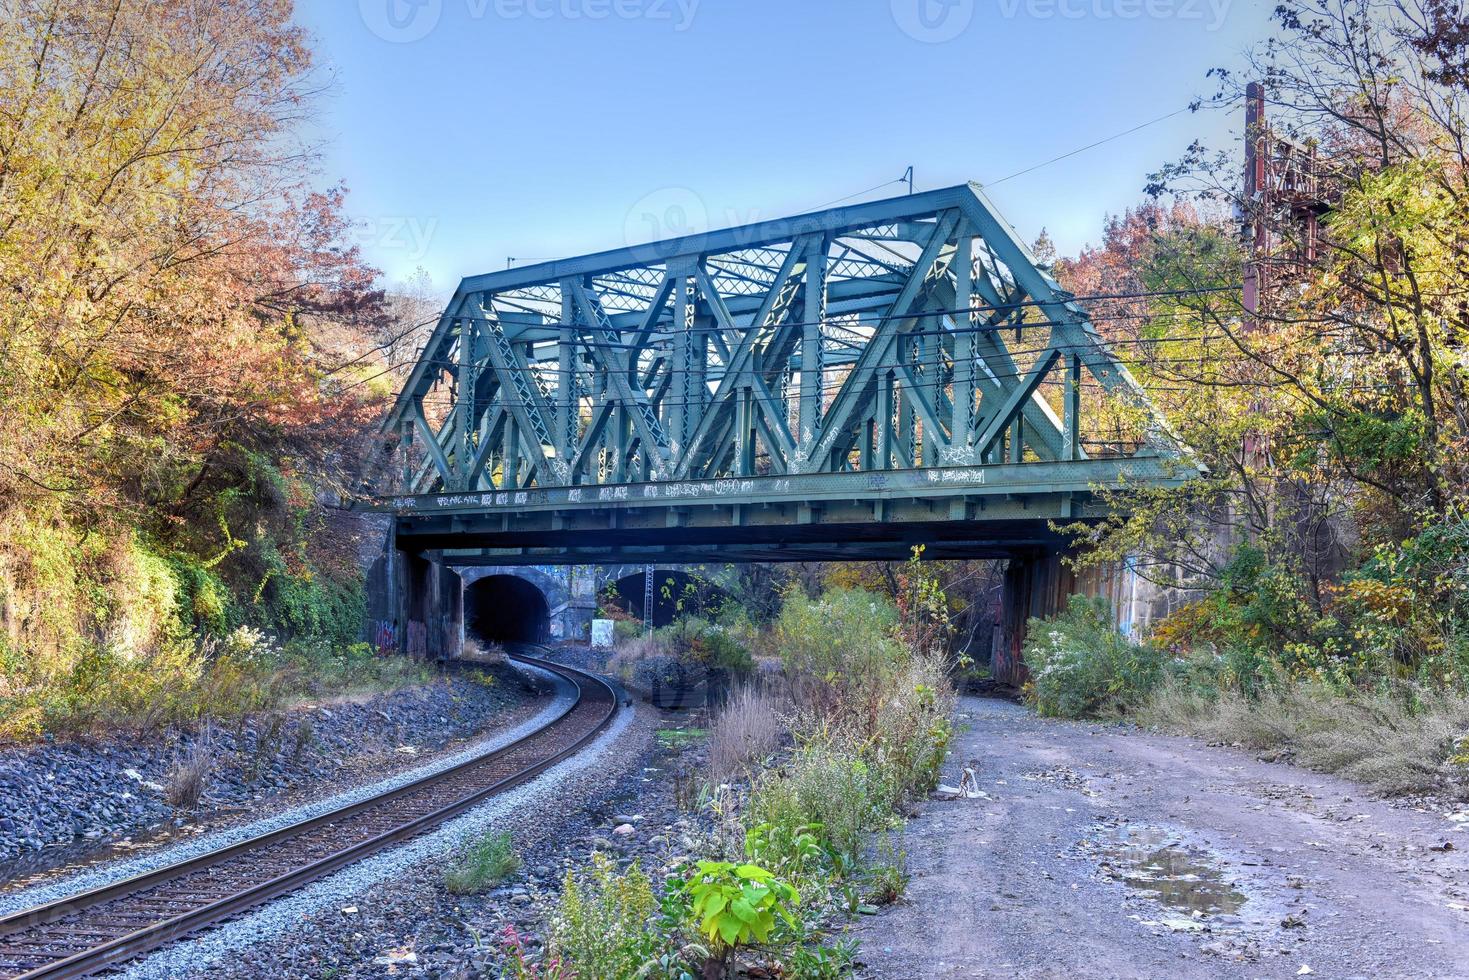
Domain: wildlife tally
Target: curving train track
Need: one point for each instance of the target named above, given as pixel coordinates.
(93, 930)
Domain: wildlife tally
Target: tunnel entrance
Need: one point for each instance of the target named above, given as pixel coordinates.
(506, 609)
(675, 594)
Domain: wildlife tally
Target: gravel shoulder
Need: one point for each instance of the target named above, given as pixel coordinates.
(1100, 851)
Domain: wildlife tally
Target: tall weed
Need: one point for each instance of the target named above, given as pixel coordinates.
(601, 926)
(747, 729)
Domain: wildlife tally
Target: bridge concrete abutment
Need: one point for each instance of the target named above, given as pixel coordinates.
(433, 597)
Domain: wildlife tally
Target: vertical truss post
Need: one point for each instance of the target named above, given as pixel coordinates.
(1071, 415)
(510, 473)
(883, 438)
(962, 429)
(930, 386)
(567, 407)
(463, 410)
(867, 444)
(682, 356)
(811, 357)
(744, 432)
(405, 439)
(904, 444)
(688, 354)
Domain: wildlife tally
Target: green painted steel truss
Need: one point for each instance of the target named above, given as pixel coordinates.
(914, 341)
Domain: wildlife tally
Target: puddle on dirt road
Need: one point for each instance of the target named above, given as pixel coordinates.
(1181, 878)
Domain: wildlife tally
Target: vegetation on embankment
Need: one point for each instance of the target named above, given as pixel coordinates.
(809, 774)
(1396, 726)
(187, 339)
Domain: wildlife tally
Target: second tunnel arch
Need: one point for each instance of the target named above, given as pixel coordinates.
(676, 590)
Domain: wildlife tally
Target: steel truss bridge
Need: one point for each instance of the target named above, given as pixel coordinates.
(845, 383)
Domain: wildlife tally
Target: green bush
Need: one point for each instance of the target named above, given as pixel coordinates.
(829, 788)
(626, 629)
(840, 652)
(698, 641)
(1409, 601)
(914, 727)
(1080, 666)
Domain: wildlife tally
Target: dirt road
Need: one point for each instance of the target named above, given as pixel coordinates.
(1097, 851)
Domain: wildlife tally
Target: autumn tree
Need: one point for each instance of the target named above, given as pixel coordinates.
(184, 326)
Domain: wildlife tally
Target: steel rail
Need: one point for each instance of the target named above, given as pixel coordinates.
(590, 692)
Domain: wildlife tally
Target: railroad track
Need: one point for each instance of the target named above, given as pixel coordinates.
(93, 930)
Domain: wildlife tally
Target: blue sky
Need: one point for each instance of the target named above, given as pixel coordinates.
(473, 130)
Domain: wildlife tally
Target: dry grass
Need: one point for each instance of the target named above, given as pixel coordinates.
(189, 777)
(748, 728)
(1396, 743)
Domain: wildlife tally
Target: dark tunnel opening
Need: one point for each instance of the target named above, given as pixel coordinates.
(506, 609)
(675, 594)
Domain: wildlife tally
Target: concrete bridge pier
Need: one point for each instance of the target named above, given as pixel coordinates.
(1036, 584)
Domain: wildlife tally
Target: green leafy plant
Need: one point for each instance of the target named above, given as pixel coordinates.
(1081, 666)
(736, 905)
(794, 851)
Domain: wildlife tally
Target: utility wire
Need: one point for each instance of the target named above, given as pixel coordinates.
(1090, 146)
